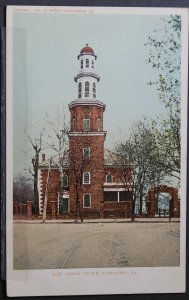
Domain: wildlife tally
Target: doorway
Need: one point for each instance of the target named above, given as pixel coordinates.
(162, 204)
(63, 205)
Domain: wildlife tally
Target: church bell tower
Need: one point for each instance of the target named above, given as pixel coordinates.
(86, 139)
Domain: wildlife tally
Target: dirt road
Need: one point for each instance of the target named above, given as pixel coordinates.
(98, 245)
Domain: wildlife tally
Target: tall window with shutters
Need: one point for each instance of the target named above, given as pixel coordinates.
(86, 178)
(74, 124)
(109, 178)
(86, 200)
(94, 90)
(86, 152)
(87, 63)
(80, 90)
(86, 89)
(86, 123)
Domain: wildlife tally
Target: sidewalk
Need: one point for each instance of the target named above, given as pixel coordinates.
(116, 220)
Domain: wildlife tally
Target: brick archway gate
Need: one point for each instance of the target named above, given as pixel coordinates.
(174, 203)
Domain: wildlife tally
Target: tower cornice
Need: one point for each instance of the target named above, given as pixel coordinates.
(91, 102)
(85, 53)
(87, 133)
(86, 74)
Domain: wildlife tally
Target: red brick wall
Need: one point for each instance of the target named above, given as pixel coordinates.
(53, 186)
(119, 175)
(94, 165)
(80, 111)
(175, 203)
(118, 209)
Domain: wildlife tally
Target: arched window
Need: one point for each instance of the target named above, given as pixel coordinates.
(79, 90)
(109, 178)
(87, 63)
(65, 181)
(81, 64)
(86, 178)
(74, 124)
(86, 89)
(99, 124)
(93, 64)
(94, 90)
(86, 152)
(86, 200)
(86, 123)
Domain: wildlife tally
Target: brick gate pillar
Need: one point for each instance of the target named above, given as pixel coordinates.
(29, 209)
(175, 209)
(152, 204)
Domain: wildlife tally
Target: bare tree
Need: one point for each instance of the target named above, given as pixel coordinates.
(76, 170)
(84, 168)
(46, 192)
(77, 166)
(53, 137)
(57, 134)
(37, 147)
(22, 189)
(119, 157)
(140, 155)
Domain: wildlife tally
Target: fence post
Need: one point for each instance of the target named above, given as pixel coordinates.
(29, 209)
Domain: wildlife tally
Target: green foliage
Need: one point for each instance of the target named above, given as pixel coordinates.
(152, 152)
(167, 134)
(164, 47)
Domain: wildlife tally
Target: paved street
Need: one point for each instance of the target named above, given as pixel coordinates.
(58, 245)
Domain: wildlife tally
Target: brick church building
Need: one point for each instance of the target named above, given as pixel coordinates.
(85, 183)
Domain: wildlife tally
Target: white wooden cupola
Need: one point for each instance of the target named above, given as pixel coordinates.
(87, 78)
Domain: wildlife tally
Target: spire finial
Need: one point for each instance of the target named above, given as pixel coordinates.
(87, 45)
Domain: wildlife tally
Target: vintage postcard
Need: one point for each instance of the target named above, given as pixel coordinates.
(96, 150)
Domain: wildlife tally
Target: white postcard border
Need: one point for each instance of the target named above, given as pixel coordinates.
(95, 281)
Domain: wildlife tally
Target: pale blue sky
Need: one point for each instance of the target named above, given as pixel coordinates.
(45, 53)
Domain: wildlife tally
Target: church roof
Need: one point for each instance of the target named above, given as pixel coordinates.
(87, 50)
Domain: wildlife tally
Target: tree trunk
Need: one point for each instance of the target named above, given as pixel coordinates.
(133, 209)
(77, 207)
(81, 214)
(140, 210)
(46, 195)
(36, 194)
